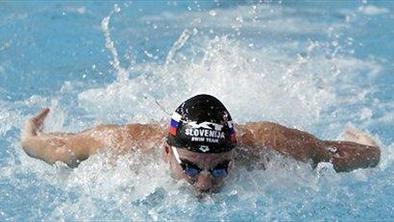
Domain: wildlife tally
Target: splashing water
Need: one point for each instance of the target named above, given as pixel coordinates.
(109, 44)
(296, 64)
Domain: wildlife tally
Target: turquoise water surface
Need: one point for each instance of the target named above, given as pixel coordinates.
(319, 66)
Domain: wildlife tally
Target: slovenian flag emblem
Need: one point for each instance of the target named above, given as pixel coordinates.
(175, 119)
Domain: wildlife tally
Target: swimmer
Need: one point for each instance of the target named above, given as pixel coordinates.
(200, 144)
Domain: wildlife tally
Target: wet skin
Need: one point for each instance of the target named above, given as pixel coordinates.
(204, 181)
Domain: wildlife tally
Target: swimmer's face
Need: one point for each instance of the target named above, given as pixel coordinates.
(205, 171)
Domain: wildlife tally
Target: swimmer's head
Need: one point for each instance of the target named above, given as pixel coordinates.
(202, 124)
(200, 142)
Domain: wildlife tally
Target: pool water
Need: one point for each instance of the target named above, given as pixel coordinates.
(318, 66)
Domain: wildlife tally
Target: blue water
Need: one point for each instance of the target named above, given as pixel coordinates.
(318, 66)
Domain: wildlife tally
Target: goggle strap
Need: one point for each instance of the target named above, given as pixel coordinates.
(176, 154)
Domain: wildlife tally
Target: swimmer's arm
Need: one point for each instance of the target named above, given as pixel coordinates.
(72, 148)
(65, 147)
(306, 147)
(346, 155)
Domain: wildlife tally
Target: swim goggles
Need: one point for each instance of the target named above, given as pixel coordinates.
(192, 170)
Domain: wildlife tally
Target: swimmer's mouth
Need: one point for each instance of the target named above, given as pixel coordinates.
(201, 194)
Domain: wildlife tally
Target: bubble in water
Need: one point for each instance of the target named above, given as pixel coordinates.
(212, 13)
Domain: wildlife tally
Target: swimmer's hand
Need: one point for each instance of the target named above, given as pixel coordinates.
(34, 125)
(357, 150)
(358, 136)
(50, 147)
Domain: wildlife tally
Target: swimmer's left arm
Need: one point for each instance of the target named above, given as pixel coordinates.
(290, 142)
(344, 155)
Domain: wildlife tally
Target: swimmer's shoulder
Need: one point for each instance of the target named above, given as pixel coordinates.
(126, 137)
(133, 129)
(257, 125)
(254, 139)
(256, 133)
(146, 130)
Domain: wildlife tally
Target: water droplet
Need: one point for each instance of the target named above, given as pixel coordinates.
(239, 19)
(195, 31)
(116, 8)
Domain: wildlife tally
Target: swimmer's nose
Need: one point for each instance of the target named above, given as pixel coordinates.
(204, 182)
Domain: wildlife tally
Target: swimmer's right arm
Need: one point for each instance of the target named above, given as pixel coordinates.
(68, 148)
(72, 148)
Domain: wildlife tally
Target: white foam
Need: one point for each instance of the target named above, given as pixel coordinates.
(255, 84)
(7, 119)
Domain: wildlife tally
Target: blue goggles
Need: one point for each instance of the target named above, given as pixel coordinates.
(192, 170)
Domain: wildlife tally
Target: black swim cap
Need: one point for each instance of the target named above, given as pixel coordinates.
(202, 124)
